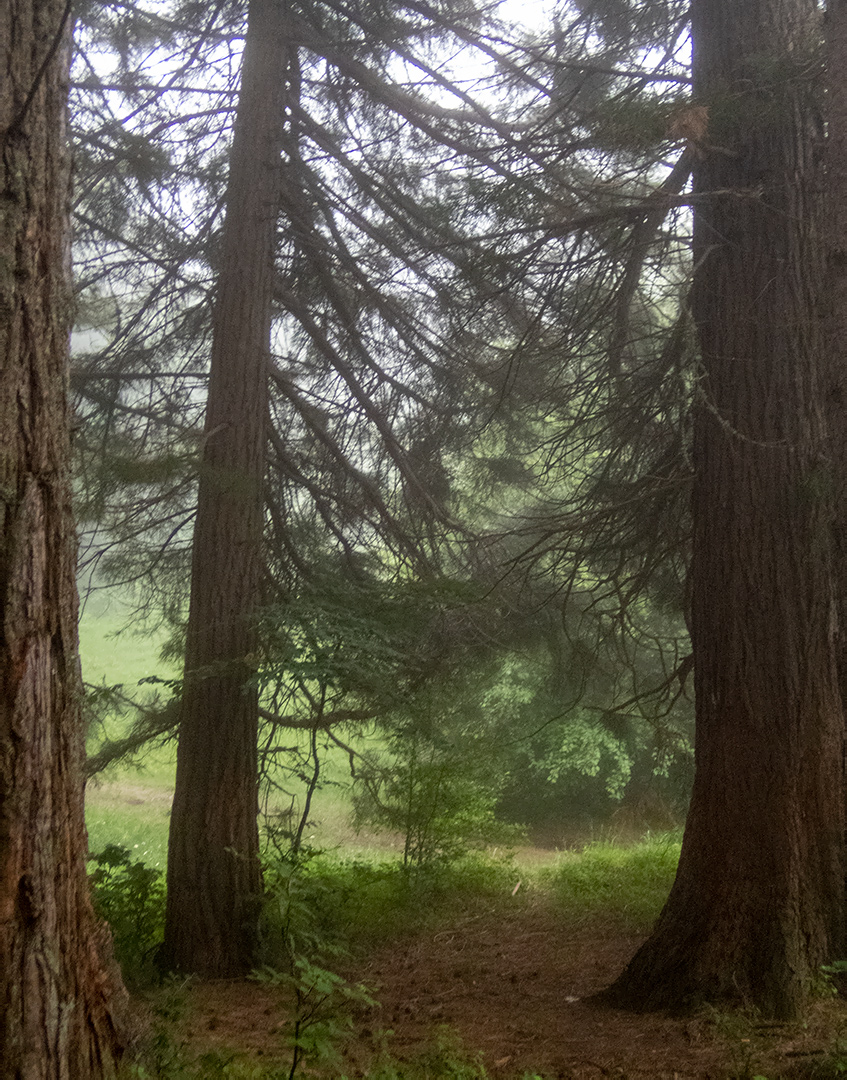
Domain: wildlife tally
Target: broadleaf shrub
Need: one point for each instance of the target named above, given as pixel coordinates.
(130, 896)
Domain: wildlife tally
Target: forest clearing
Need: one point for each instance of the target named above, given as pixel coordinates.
(488, 968)
(506, 994)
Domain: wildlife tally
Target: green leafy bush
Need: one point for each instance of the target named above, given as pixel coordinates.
(429, 795)
(585, 770)
(131, 898)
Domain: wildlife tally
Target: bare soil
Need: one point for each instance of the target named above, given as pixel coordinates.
(515, 987)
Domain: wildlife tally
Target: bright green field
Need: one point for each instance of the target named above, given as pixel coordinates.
(111, 650)
(129, 805)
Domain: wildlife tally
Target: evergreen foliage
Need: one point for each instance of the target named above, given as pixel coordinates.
(477, 483)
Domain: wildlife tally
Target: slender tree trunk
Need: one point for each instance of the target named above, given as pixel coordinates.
(62, 1004)
(758, 902)
(214, 878)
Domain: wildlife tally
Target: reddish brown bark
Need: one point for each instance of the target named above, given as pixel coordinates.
(62, 1005)
(214, 878)
(758, 902)
(835, 291)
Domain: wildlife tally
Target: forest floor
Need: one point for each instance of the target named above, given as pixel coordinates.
(511, 989)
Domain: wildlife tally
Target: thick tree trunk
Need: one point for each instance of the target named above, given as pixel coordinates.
(62, 1005)
(214, 878)
(758, 902)
(835, 292)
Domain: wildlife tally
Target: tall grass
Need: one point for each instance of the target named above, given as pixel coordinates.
(628, 884)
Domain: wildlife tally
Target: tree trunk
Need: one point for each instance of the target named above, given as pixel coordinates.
(758, 902)
(214, 877)
(63, 1010)
(835, 293)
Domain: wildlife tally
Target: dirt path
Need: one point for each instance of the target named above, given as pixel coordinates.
(513, 987)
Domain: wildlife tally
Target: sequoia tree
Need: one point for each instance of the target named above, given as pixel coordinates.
(61, 1001)
(361, 326)
(758, 901)
(214, 877)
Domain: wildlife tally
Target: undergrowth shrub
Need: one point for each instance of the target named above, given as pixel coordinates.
(351, 904)
(436, 793)
(130, 896)
(444, 1059)
(321, 1019)
(300, 956)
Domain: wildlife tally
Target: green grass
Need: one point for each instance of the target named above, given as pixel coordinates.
(355, 903)
(126, 805)
(114, 818)
(629, 884)
(115, 650)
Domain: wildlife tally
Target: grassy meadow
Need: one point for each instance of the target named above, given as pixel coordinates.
(128, 804)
